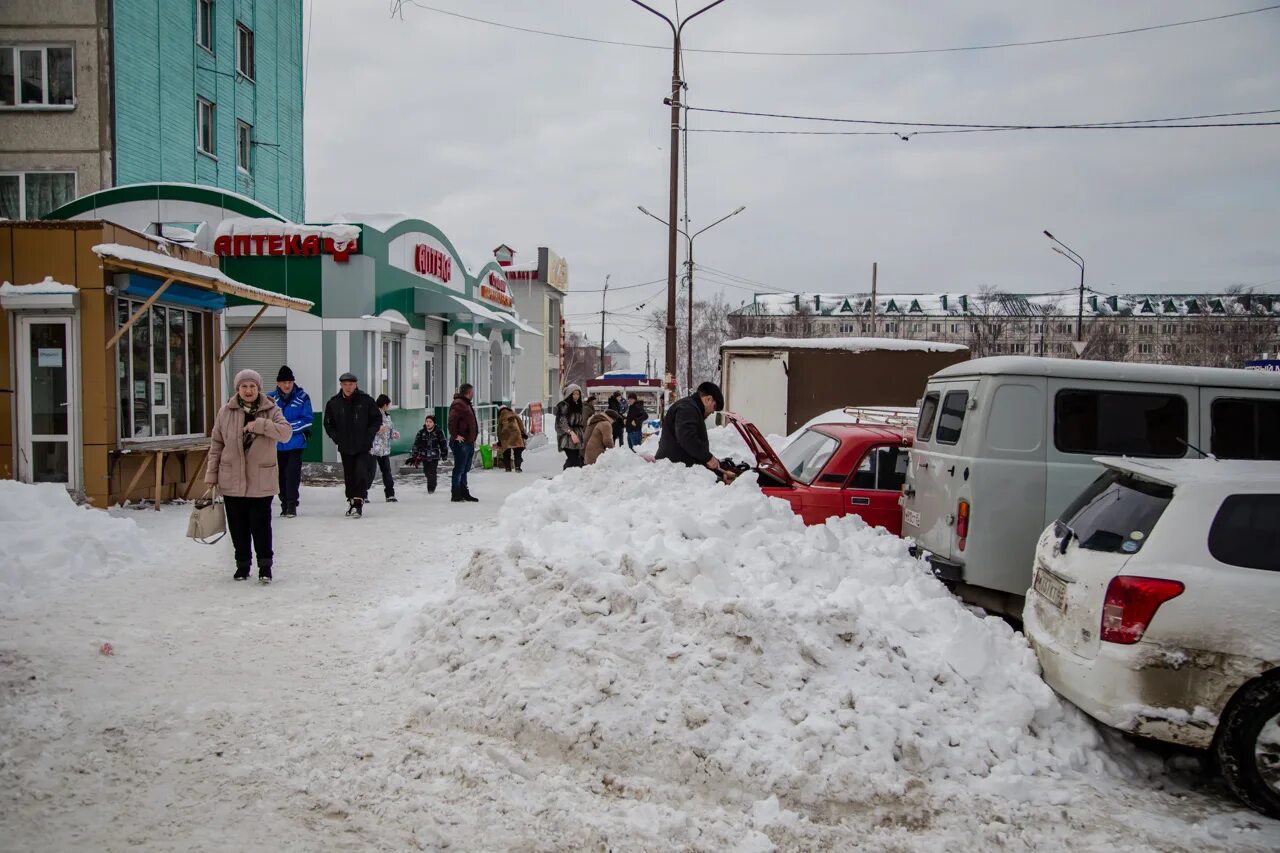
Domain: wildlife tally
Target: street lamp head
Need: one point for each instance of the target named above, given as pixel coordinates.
(641, 208)
(739, 210)
(1050, 236)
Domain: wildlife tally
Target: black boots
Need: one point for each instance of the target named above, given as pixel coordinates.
(457, 497)
(468, 497)
(264, 571)
(242, 570)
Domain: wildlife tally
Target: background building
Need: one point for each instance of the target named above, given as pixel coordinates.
(616, 356)
(538, 290)
(1220, 330)
(103, 93)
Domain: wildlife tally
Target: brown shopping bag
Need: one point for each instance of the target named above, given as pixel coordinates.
(208, 519)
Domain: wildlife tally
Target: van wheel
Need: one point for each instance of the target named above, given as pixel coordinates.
(1247, 745)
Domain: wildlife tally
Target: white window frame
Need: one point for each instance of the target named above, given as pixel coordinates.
(242, 30)
(22, 185)
(16, 48)
(244, 147)
(213, 24)
(201, 103)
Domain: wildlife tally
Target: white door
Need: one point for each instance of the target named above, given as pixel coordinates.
(48, 419)
(758, 391)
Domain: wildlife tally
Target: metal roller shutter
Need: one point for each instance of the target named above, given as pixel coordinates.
(263, 350)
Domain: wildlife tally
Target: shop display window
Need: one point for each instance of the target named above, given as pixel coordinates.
(160, 371)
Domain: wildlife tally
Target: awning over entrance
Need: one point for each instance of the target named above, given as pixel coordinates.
(446, 304)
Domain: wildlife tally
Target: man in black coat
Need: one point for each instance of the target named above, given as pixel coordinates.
(684, 429)
(634, 420)
(351, 420)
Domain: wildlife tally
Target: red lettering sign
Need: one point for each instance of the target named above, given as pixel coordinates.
(266, 245)
(428, 260)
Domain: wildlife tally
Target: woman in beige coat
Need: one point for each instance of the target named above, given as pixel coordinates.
(599, 434)
(511, 438)
(242, 466)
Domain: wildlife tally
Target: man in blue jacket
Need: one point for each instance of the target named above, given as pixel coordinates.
(295, 405)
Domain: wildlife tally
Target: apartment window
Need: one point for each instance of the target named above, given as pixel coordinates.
(160, 372)
(1038, 329)
(891, 328)
(1064, 328)
(244, 147)
(1018, 348)
(937, 328)
(1146, 328)
(1168, 349)
(244, 50)
(36, 76)
(1144, 349)
(955, 328)
(916, 327)
(206, 117)
(204, 24)
(1124, 330)
(31, 195)
(1168, 328)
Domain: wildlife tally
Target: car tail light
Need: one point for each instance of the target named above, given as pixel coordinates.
(962, 521)
(1131, 603)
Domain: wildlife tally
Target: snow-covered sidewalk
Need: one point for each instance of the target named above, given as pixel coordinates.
(625, 657)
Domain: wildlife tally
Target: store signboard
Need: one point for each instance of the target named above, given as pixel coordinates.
(493, 290)
(553, 269)
(428, 258)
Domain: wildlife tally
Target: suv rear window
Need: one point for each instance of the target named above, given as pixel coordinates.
(807, 455)
(1244, 429)
(928, 411)
(1115, 513)
(1120, 423)
(1246, 532)
(952, 419)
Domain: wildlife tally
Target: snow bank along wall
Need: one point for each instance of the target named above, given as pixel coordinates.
(780, 384)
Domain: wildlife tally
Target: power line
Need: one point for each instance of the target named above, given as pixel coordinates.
(623, 287)
(906, 136)
(397, 7)
(1125, 124)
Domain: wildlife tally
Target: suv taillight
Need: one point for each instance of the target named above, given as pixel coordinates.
(1130, 605)
(962, 521)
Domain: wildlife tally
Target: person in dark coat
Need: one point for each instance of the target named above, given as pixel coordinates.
(617, 404)
(352, 421)
(464, 429)
(633, 422)
(571, 426)
(295, 405)
(429, 447)
(684, 429)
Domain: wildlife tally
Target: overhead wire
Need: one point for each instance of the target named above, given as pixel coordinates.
(397, 8)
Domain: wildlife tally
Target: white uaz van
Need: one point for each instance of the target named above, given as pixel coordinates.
(1003, 444)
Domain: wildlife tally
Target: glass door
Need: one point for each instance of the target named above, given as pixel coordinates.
(47, 418)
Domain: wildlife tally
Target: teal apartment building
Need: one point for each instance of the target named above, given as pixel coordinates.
(96, 94)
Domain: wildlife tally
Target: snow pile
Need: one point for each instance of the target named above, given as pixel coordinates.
(675, 631)
(342, 234)
(46, 541)
(43, 288)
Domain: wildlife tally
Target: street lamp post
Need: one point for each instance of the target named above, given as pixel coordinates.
(674, 102)
(689, 274)
(1073, 256)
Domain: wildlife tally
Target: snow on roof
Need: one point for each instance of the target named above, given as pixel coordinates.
(529, 266)
(1065, 304)
(342, 234)
(190, 269)
(849, 344)
(382, 221)
(1177, 472)
(46, 287)
(1113, 371)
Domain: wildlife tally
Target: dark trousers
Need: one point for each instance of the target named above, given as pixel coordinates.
(572, 459)
(430, 468)
(290, 464)
(507, 454)
(462, 455)
(388, 482)
(357, 474)
(617, 433)
(634, 439)
(249, 523)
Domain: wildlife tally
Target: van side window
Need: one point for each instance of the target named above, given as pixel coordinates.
(952, 419)
(1246, 532)
(1120, 423)
(928, 411)
(1244, 429)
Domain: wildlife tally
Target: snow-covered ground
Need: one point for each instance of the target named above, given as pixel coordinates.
(624, 657)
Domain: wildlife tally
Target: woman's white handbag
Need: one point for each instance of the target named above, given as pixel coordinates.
(208, 518)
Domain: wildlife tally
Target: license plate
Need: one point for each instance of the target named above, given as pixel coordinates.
(911, 516)
(1050, 588)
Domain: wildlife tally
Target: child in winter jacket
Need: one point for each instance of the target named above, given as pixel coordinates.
(381, 449)
(429, 447)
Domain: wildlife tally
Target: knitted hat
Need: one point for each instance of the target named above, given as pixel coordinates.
(285, 374)
(248, 376)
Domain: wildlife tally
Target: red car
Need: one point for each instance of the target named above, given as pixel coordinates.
(837, 469)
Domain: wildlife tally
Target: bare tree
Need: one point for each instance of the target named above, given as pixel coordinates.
(581, 358)
(1103, 343)
(987, 321)
(712, 326)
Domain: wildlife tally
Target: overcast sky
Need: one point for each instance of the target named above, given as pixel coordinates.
(501, 136)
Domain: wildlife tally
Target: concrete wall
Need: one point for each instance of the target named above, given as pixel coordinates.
(160, 71)
(76, 139)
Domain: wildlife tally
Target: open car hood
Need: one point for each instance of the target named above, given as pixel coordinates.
(767, 459)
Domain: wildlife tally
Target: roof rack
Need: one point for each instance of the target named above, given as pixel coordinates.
(883, 416)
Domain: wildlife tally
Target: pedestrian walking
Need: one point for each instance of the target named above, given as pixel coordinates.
(571, 423)
(617, 404)
(684, 429)
(633, 422)
(295, 405)
(600, 434)
(511, 438)
(242, 466)
(352, 420)
(429, 447)
(381, 449)
(464, 429)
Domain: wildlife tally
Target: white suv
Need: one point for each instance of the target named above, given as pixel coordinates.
(1155, 607)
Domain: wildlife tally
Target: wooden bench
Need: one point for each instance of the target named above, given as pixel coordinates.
(155, 452)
